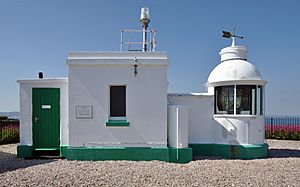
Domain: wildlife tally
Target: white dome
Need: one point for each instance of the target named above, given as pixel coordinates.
(233, 52)
(234, 69)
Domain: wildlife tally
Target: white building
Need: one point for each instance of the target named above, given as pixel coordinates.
(115, 106)
(227, 121)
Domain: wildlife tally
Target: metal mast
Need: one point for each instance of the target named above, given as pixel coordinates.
(145, 19)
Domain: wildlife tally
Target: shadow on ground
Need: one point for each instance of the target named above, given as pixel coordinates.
(284, 153)
(206, 158)
(10, 162)
(273, 153)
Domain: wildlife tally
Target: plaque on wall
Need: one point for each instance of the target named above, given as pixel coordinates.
(84, 112)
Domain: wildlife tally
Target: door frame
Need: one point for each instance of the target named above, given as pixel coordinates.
(34, 144)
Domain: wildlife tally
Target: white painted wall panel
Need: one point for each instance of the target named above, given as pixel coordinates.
(146, 105)
(205, 127)
(200, 113)
(237, 130)
(26, 107)
(178, 126)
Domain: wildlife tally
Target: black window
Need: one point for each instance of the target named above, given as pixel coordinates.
(117, 101)
(224, 97)
(246, 99)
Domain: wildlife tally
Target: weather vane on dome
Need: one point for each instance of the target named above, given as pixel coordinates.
(227, 34)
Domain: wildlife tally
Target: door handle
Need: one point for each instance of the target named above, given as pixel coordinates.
(36, 119)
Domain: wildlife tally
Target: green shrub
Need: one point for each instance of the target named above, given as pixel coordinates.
(9, 131)
(282, 135)
(9, 136)
(3, 117)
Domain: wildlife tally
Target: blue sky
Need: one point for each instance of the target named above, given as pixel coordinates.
(37, 35)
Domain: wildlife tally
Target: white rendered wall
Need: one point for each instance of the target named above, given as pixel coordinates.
(237, 130)
(146, 103)
(26, 107)
(205, 127)
(200, 113)
(178, 126)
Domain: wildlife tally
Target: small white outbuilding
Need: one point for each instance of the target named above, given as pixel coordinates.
(43, 116)
(115, 106)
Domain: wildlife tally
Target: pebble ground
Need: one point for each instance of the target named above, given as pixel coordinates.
(282, 168)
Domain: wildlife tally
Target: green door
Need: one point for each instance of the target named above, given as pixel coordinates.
(46, 118)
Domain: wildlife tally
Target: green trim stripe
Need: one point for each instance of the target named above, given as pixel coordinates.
(117, 153)
(183, 155)
(24, 151)
(230, 151)
(46, 149)
(63, 150)
(116, 123)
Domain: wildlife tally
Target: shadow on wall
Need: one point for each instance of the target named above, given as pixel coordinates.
(227, 129)
(10, 162)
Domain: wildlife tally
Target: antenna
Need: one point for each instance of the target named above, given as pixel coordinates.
(147, 33)
(227, 34)
(145, 19)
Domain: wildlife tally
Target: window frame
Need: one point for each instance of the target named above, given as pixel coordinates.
(216, 99)
(261, 101)
(117, 121)
(244, 96)
(256, 106)
(117, 117)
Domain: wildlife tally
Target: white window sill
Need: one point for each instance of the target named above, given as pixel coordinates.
(117, 118)
(236, 116)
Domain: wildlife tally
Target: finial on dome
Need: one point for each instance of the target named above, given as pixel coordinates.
(233, 42)
(227, 34)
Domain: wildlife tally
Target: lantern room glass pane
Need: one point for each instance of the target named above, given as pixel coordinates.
(224, 100)
(259, 100)
(246, 99)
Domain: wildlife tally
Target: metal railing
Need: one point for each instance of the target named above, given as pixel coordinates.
(9, 131)
(282, 127)
(136, 45)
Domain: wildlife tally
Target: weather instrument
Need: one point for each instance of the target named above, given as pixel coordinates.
(227, 34)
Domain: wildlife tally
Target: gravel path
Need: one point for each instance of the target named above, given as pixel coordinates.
(281, 169)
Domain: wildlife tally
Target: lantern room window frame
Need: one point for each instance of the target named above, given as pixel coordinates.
(239, 100)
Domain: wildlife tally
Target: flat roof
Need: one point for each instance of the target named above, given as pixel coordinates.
(117, 58)
(190, 94)
(116, 55)
(37, 80)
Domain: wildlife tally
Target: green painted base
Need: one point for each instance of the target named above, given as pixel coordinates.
(230, 151)
(118, 153)
(181, 155)
(130, 153)
(24, 151)
(63, 150)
